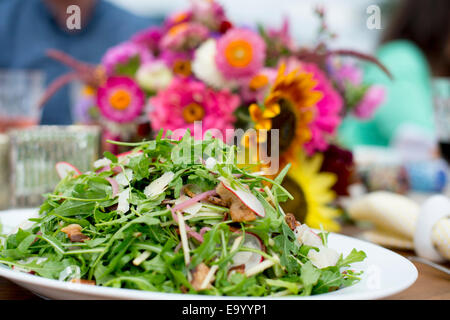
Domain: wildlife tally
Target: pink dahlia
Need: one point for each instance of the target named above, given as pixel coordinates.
(184, 36)
(327, 118)
(120, 99)
(149, 38)
(122, 54)
(186, 101)
(240, 53)
(372, 99)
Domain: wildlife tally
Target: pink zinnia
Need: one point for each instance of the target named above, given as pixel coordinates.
(327, 117)
(184, 36)
(186, 101)
(122, 54)
(240, 54)
(372, 99)
(171, 57)
(120, 99)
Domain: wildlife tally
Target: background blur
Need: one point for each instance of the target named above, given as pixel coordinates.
(345, 17)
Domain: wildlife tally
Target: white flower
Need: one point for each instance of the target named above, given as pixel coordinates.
(154, 76)
(156, 187)
(124, 177)
(205, 68)
(306, 236)
(326, 257)
(123, 205)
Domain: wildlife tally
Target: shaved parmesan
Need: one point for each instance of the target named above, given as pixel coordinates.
(124, 205)
(158, 186)
(103, 162)
(326, 257)
(124, 177)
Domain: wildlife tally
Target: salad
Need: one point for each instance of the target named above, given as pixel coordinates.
(159, 218)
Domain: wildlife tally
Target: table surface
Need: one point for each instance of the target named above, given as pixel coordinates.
(431, 283)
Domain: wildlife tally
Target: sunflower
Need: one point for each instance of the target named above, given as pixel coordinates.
(293, 95)
(312, 193)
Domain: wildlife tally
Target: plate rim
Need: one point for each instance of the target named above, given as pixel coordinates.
(26, 280)
(118, 293)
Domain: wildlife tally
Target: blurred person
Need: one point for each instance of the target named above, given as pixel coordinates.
(415, 48)
(28, 28)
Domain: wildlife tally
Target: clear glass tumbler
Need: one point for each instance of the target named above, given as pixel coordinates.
(20, 91)
(35, 151)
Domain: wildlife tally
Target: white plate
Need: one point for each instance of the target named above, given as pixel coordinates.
(385, 273)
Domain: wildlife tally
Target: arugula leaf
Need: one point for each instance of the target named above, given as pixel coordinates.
(309, 276)
(352, 257)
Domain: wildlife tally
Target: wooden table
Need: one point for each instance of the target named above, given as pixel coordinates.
(431, 284)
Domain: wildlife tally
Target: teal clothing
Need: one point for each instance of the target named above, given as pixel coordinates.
(408, 97)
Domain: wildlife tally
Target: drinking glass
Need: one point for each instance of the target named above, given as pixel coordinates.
(4, 171)
(20, 91)
(35, 151)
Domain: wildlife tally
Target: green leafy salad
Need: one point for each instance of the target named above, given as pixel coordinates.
(176, 217)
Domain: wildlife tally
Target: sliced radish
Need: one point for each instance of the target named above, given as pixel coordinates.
(114, 186)
(64, 169)
(188, 202)
(249, 259)
(248, 198)
(158, 186)
(190, 208)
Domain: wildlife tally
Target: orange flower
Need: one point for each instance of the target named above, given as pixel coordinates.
(193, 112)
(259, 81)
(182, 67)
(120, 99)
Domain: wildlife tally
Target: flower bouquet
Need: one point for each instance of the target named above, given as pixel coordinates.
(201, 72)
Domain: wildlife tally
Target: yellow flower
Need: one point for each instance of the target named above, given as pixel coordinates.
(312, 193)
(88, 91)
(262, 118)
(294, 96)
